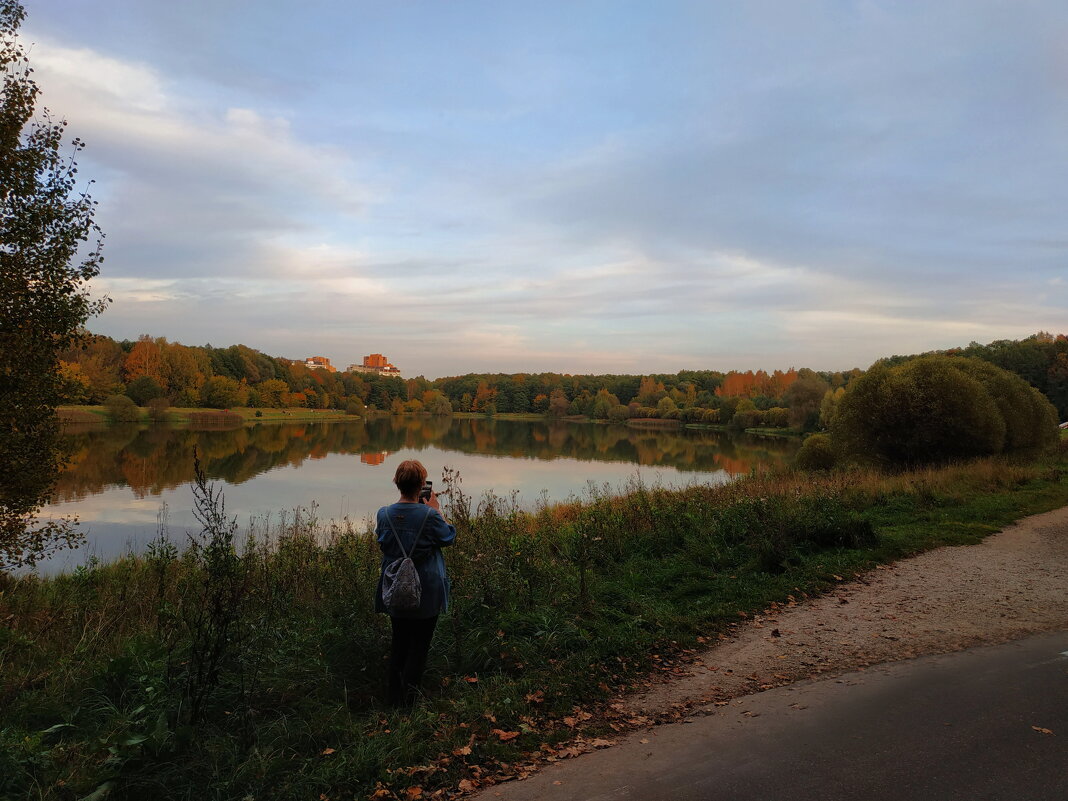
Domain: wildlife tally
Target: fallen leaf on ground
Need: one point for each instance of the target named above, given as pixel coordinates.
(328, 751)
(464, 751)
(1042, 730)
(599, 743)
(505, 736)
(415, 792)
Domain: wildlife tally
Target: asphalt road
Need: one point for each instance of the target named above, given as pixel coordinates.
(954, 727)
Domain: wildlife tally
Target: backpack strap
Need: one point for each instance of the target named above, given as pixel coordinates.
(417, 534)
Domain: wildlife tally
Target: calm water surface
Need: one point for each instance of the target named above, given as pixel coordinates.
(122, 476)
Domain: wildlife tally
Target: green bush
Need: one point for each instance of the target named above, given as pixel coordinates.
(939, 408)
(143, 389)
(816, 453)
(777, 417)
(220, 392)
(1030, 419)
(121, 409)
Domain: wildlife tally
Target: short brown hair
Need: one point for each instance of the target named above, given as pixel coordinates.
(410, 477)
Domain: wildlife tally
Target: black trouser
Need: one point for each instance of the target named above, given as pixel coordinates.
(407, 659)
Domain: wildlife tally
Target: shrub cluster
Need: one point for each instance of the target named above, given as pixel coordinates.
(939, 408)
(815, 453)
(122, 409)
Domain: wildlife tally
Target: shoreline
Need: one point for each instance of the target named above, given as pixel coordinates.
(181, 416)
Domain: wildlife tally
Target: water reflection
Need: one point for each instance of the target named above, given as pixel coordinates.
(159, 458)
(121, 476)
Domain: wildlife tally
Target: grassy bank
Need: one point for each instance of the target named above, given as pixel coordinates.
(209, 674)
(787, 433)
(181, 415)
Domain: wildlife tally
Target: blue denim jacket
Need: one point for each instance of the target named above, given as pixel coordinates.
(406, 518)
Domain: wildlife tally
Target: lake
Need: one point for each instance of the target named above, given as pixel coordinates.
(122, 476)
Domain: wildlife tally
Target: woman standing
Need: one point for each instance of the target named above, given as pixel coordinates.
(413, 526)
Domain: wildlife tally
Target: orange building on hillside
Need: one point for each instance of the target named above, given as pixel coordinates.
(375, 363)
(319, 363)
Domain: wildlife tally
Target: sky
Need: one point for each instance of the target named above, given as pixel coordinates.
(570, 186)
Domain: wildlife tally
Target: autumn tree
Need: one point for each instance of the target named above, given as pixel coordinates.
(829, 406)
(803, 398)
(435, 402)
(221, 392)
(184, 370)
(484, 394)
(272, 392)
(603, 403)
(100, 360)
(49, 250)
(558, 403)
(74, 385)
(144, 359)
(650, 391)
(581, 403)
(666, 407)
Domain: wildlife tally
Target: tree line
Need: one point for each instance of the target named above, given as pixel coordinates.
(150, 368)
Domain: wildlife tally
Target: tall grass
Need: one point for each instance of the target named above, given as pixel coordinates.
(253, 666)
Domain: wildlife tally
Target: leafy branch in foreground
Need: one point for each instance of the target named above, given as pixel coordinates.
(50, 247)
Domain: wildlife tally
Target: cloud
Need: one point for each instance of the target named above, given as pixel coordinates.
(189, 189)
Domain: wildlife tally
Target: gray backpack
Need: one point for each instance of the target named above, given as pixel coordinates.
(401, 589)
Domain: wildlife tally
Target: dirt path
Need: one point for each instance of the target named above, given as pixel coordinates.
(1013, 584)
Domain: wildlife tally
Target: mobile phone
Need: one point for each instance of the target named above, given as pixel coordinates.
(424, 493)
